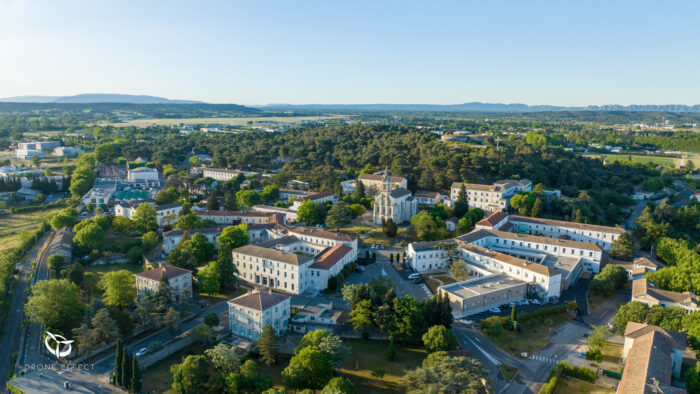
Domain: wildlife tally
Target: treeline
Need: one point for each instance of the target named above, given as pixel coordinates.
(324, 156)
(666, 220)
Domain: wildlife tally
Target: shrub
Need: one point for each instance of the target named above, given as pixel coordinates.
(549, 387)
(594, 355)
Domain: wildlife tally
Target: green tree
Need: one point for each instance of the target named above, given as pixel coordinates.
(189, 221)
(389, 228)
(438, 310)
(211, 319)
(145, 218)
(267, 345)
(55, 262)
(441, 373)
(167, 196)
(634, 311)
(692, 379)
(359, 193)
(326, 342)
(623, 247)
(119, 353)
(231, 238)
(119, 289)
(338, 216)
(514, 313)
(307, 212)
(126, 369)
(209, 278)
(56, 304)
(361, 315)
(212, 202)
(247, 380)
(597, 339)
(270, 193)
(89, 237)
(201, 248)
(224, 358)
(439, 338)
(122, 225)
(408, 322)
(357, 210)
(247, 198)
(339, 385)
(64, 218)
(149, 241)
(537, 208)
(461, 204)
(136, 383)
(310, 368)
(192, 375)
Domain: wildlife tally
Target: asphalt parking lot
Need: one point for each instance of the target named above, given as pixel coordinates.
(576, 293)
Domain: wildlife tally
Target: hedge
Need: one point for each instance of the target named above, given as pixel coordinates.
(549, 387)
(582, 373)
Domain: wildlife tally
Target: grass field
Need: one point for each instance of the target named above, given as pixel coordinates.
(366, 356)
(232, 121)
(104, 268)
(533, 337)
(569, 385)
(669, 162)
(16, 220)
(508, 372)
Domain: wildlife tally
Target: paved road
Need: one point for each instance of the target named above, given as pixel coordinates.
(106, 365)
(31, 354)
(13, 328)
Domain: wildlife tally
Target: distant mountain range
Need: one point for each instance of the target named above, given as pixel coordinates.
(479, 107)
(90, 98)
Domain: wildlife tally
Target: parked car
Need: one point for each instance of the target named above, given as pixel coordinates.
(417, 280)
(494, 310)
(413, 276)
(142, 352)
(360, 268)
(523, 302)
(536, 302)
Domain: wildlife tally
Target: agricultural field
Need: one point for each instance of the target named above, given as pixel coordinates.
(668, 162)
(242, 121)
(11, 222)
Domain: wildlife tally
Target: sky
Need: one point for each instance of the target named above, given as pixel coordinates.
(355, 52)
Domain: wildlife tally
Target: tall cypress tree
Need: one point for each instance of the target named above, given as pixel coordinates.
(135, 376)
(126, 369)
(118, 363)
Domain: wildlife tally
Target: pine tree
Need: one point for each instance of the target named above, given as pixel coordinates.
(118, 362)
(212, 202)
(462, 204)
(135, 385)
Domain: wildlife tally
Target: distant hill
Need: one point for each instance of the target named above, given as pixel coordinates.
(90, 98)
(479, 107)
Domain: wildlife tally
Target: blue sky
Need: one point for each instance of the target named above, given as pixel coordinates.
(439, 52)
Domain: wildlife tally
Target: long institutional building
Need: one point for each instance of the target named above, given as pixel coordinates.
(511, 257)
(294, 260)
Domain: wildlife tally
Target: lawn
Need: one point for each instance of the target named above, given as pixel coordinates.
(218, 297)
(372, 235)
(612, 353)
(367, 356)
(533, 337)
(436, 280)
(156, 378)
(104, 268)
(669, 162)
(14, 220)
(568, 385)
(12, 239)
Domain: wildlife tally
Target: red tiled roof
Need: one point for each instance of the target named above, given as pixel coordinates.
(331, 257)
(492, 220)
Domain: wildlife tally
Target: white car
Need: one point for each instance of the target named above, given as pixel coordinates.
(536, 302)
(142, 352)
(523, 302)
(413, 276)
(495, 310)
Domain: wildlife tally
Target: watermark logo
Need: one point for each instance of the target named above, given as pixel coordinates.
(58, 349)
